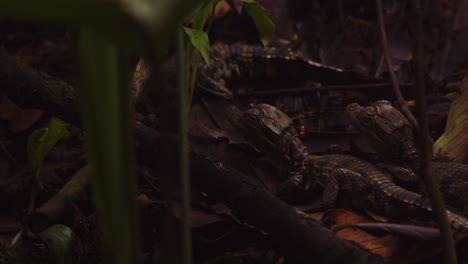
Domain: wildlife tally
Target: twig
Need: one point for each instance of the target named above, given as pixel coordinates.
(313, 89)
(425, 149)
(400, 100)
(390, 36)
(210, 115)
(186, 231)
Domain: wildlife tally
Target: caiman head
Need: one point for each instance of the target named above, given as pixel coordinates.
(387, 128)
(269, 130)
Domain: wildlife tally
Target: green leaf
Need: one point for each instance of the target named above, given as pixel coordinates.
(42, 140)
(265, 26)
(199, 40)
(60, 239)
(201, 14)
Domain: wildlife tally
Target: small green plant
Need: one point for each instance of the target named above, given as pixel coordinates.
(60, 240)
(198, 35)
(40, 142)
(265, 26)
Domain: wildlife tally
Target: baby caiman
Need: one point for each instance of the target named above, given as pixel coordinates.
(337, 179)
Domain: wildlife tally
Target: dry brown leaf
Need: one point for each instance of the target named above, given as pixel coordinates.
(454, 141)
(393, 249)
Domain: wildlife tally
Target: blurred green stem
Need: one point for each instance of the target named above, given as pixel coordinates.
(183, 149)
(104, 78)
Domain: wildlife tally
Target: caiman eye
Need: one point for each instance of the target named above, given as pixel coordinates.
(382, 102)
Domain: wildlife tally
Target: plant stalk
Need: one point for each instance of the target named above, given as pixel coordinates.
(426, 172)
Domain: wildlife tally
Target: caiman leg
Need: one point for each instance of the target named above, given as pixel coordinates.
(338, 183)
(403, 177)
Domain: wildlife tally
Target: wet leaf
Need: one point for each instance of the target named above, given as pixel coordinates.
(454, 140)
(387, 246)
(199, 40)
(265, 26)
(201, 14)
(60, 239)
(42, 140)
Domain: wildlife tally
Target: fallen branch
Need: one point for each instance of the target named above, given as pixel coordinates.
(35, 89)
(302, 241)
(60, 205)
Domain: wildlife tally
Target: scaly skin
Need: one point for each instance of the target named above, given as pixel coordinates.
(263, 65)
(379, 119)
(339, 179)
(391, 132)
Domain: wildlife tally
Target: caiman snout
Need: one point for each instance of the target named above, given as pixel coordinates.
(353, 107)
(353, 110)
